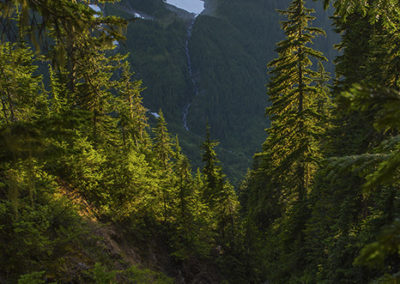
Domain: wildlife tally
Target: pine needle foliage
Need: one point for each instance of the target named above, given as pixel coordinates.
(292, 144)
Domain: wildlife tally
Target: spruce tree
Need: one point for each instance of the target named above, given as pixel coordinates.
(162, 142)
(94, 88)
(19, 89)
(190, 212)
(212, 171)
(131, 112)
(355, 191)
(163, 154)
(283, 176)
(219, 195)
(292, 146)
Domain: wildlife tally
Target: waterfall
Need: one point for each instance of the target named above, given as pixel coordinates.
(190, 72)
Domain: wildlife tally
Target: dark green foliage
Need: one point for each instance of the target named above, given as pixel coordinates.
(20, 96)
(212, 170)
(89, 193)
(279, 186)
(100, 274)
(345, 230)
(81, 178)
(229, 46)
(133, 119)
(359, 192)
(39, 227)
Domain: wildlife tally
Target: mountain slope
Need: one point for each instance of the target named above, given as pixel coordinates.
(228, 48)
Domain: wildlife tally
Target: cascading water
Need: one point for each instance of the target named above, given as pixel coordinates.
(195, 8)
(190, 72)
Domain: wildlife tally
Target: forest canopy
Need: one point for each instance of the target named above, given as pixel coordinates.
(92, 192)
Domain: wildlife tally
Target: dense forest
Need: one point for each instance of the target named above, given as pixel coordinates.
(92, 191)
(228, 45)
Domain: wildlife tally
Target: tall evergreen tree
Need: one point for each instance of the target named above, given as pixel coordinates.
(131, 112)
(163, 154)
(219, 195)
(292, 146)
(223, 204)
(283, 176)
(346, 216)
(162, 142)
(212, 171)
(284, 170)
(20, 94)
(193, 231)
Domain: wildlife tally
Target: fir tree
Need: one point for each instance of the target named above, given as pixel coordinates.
(162, 142)
(283, 176)
(163, 154)
(291, 144)
(20, 96)
(212, 171)
(219, 195)
(357, 183)
(132, 114)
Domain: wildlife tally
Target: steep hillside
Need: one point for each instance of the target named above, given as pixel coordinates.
(95, 189)
(210, 69)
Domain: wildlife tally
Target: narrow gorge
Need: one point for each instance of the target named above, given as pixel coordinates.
(195, 8)
(191, 76)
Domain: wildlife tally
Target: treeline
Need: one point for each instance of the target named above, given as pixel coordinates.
(321, 203)
(78, 157)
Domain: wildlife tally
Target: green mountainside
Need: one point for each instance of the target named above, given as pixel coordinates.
(96, 188)
(229, 48)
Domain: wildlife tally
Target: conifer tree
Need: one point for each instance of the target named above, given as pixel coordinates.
(19, 88)
(184, 181)
(359, 142)
(190, 209)
(283, 176)
(163, 154)
(58, 92)
(212, 171)
(219, 195)
(162, 142)
(94, 92)
(132, 114)
(291, 146)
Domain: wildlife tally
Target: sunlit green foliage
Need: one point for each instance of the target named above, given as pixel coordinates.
(229, 49)
(87, 188)
(283, 178)
(78, 158)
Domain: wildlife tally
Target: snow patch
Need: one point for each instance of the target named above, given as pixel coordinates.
(192, 6)
(156, 115)
(95, 8)
(137, 15)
